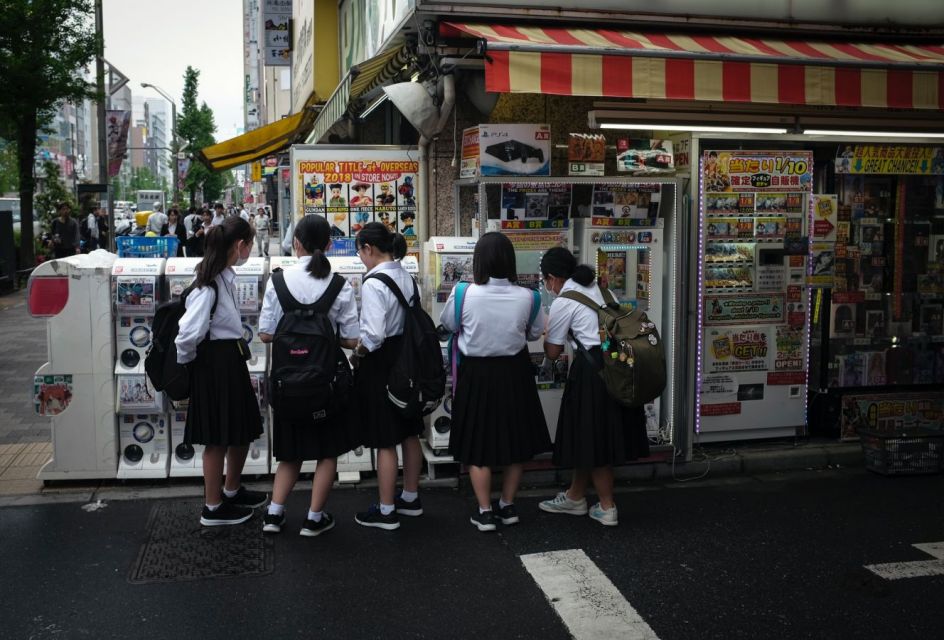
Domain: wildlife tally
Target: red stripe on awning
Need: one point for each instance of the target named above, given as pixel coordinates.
(620, 39)
(791, 84)
(848, 85)
(679, 79)
(562, 36)
(498, 72)
(556, 73)
(856, 52)
(899, 89)
(736, 81)
(618, 76)
(711, 44)
(807, 50)
(509, 32)
(663, 41)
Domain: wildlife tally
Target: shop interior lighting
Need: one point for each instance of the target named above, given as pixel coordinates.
(635, 126)
(871, 134)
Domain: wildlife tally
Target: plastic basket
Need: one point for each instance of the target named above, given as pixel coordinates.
(342, 247)
(144, 247)
(904, 452)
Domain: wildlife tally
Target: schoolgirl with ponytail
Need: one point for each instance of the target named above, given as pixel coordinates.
(594, 431)
(294, 438)
(223, 414)
(381, 337)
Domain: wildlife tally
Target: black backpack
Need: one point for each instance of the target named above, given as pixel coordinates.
(310, 377)
(417, 382)
(160, 363)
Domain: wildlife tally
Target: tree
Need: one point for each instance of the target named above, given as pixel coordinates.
(197, 126)
(9, 172)
(45, 46)
(54, 191)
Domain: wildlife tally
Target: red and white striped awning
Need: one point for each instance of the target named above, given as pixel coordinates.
(627, 64)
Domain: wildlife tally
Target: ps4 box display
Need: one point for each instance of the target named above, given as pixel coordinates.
(506, 150)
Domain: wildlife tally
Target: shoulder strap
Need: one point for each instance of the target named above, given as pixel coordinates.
(387, 280)
(323, 304)
(608, 298)
(216, 297)
(535, 307)
(576, 296)
(461, 289)
(286, 300)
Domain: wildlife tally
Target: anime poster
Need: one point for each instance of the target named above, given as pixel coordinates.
(134, 294)
(730, 228)
(531, 206)
(454, 268)
(351, 187)
(626, 201)
(789, 355)
(729, 252)
(842, 320)
(823, 265)
(586, 154)
(770, 227)
(136, 392)
(718, 277)
(51, 394)
(875, 369)
(737, 349)
(611, 269)
(891, 412)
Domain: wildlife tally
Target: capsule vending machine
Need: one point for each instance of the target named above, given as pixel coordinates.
(630, 242)
(185, 459)
(143, 426)
(248, 291)
(448, 261)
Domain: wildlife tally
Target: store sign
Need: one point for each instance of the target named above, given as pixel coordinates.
(743, 349)
(734, 309)
(891, 412)
(276, 16)
(366, 26)
(727, 171)
(890, 159)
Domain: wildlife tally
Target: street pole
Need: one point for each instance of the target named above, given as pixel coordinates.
(173, 136)
(102, 140)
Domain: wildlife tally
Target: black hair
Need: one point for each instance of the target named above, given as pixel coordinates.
(407, 215)
(335, 186)
(376, 234)
(219, 205)
(220, 239)
(314, 233)
(561, 263)
(494, 257)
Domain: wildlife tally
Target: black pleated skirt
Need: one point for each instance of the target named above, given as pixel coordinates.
(223, 407)
(376, 422)
(296, 440)
(593, 430)
(496, 414)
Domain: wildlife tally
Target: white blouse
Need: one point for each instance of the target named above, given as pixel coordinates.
(569, 315)
(494, 318)
(306, 289)
(381, 313)
(195, 322)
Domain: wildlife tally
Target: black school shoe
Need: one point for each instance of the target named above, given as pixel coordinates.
(311, 528)
(272, 523)
(246, 498)
(483, 521)
(508, 514)
(405, 508)
(226, 514)
(373, 518)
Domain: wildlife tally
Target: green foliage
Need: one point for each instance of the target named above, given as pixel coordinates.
(143, 178)
(9, 174)
(54, 192)
(197, 126)
(45, 46)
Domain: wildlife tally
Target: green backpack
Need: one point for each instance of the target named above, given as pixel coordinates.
(633, 356)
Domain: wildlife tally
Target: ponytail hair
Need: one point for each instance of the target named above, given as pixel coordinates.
(561, 263)
(314, 233)
(376, 234)
(220, 240)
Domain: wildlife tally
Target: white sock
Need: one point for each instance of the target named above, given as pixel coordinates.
(484, 509)
(276, 509)
(214, 507)
(409, 496)
(314, 516)
(230, 494)
(502, 504)
(386, 509)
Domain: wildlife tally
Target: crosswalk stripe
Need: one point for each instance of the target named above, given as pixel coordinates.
(584, 598)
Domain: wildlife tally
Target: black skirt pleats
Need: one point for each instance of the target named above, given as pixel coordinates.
(593, 430)
(376, 422)
(296, 440)
(223, 407)
(496, 413)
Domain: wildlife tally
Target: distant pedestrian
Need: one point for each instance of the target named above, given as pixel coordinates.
(64, 232)
(261, 224)
(594, 431)
(197, 243)
(175, 228)
(157, 220)
(90, 231)
(297, 438)
(218, 216)
(223, 414)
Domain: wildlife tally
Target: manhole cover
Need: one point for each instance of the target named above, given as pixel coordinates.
(179, 548)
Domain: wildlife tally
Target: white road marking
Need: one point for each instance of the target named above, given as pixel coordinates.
(916, 569)
(584, 598)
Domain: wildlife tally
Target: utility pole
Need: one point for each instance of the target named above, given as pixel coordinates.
(102, 132)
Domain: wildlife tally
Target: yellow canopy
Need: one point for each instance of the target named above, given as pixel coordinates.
(256, 144)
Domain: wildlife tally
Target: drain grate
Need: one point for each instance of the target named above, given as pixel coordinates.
(179, 548)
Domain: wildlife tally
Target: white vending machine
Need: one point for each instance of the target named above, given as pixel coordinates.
(448, 261)
(143, 425)
(185, 459)
(75, 388)
(250, 286)
(635, 256)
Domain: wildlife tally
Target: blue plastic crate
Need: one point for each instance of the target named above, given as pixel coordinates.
(145, 247)
(342, 247)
